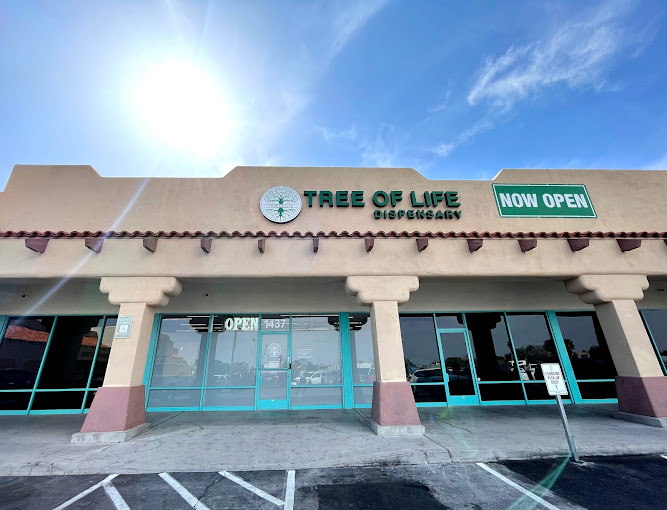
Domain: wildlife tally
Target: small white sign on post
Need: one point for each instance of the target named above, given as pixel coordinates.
(123, 326)
(556, 386)
(553, 376)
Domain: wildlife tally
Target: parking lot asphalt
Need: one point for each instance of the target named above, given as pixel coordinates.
(600, 482)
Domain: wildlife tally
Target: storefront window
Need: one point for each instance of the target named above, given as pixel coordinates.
(363, 362)
(232, 353)
(180, 348)
(316, 351)
(46, 354)
(656, 323)
(589, 355)
(423, 366)
(533, 345)
(305, 346)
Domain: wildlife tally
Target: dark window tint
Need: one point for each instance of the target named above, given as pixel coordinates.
(14, 401)
(70, 356)
(449, 320)
(502, 391)
(494, 360)
(586, 345)
(656, 320)
(103, 353)
(532, 343)
(429, 393)
(21, 352)
(57, 400)
(420, 345)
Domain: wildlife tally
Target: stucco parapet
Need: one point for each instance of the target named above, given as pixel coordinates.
(597, 289)
(370, 289)
(152, 290)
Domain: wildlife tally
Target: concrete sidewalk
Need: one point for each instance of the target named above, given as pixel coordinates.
(236, 441)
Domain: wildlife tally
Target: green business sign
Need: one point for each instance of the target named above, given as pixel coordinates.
(543, 201)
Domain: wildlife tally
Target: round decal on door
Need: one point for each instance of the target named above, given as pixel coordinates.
(274, 350)
(280, 204)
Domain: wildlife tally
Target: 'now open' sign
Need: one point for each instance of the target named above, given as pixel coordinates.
(543, 201)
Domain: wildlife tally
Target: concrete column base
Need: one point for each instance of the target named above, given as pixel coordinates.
(109, 437)
(646, 396)
(116, 409)
(394, 404)
(395, 430)
(644, 420)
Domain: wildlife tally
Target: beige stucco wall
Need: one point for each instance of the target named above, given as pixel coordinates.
(308, 295)
(39, 198)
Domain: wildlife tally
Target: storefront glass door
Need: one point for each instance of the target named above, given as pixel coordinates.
(274, 371)
(459, 372)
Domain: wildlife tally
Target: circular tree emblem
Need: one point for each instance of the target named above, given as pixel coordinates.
(275, 350)
(280, 204)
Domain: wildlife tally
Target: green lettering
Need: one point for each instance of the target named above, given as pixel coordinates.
(326, 196)
(401, 213)
(380, 198)
(411, 214)
(430, 214)
(439, 215)
(392, 214)
(357, 198)
(419, 214)
(449, 214)
(341, 199)
(377, 214)
(437, 196)
(427, 199)
(396, 196)
(414, 201)
(310, 195)
(451, 198)
(457, 214)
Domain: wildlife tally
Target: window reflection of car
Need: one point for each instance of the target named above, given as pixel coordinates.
(319, 377)
(427, 375)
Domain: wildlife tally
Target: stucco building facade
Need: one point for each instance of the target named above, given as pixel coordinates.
(337, 288)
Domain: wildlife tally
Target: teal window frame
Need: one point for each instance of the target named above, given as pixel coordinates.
(552, 323)
(652, 338)
(150, 364)
(4, 323)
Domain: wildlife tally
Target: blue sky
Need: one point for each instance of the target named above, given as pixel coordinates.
(456, 90)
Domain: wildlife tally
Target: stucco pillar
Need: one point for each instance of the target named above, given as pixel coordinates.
(394, 411)
(640, 384)
(119, 405)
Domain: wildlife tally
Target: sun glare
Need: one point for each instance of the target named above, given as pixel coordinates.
(184, 107)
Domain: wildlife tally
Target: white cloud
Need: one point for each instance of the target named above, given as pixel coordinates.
(576, 55)
(350, 19)
(380, 152)
(345, 135)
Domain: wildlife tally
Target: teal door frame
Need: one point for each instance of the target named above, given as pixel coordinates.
(276, 403)
(565, 363)
(458, 400)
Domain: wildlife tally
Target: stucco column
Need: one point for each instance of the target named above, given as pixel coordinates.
(119, 405)
(394, 411)
(640, 384)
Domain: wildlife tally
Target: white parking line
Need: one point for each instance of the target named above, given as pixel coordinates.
(664, 456)
(518, 487)
(252, 488)
(289, 490)
(115, 496)
(183, 492)
(85, 493)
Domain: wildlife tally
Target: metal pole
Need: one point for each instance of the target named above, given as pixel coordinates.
(568, 434)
